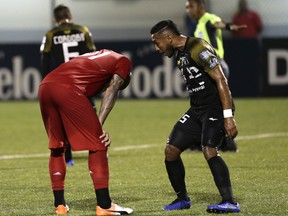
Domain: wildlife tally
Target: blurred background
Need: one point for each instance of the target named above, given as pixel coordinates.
(258, 66)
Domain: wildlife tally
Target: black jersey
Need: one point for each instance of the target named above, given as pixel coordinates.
(67, 41)
(195, 62)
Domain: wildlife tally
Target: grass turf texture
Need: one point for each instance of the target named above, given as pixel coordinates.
(138, 177)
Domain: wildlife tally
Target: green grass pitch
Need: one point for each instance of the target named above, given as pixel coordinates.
(138, 179)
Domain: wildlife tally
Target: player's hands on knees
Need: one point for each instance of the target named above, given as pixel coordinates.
(105, 139)
(230, 127)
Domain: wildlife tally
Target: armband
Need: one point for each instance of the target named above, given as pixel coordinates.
(228, 26)
(227, 113)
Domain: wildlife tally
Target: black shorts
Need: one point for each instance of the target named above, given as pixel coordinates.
(203, 127)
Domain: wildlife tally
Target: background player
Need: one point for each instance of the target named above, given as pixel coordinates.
(62, 43)
(209, 27)
(68, 115)
(208, 118)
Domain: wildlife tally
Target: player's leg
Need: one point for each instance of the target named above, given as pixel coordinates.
(228, 144)
(99, 172)
(57, 170)
(68, 156)
(83, 131)
(179, 140)
(212, 135)
(56, 134)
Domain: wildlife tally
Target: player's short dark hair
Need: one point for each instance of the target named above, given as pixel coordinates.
(200, 1)
(62, 12)
(165, 24)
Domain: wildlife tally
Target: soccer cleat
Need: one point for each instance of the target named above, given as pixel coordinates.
(223, 208)
(113, 210)
(178, 204)
(61, 209)
(70, 163)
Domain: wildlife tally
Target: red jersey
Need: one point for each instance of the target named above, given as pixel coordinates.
(90, 72)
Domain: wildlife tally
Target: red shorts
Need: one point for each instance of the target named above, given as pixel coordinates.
(69, 117)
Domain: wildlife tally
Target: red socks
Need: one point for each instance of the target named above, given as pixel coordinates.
(97, 163)
(57, 169)
(98, 168)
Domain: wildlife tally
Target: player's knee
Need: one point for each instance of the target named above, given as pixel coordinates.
(209, 152)
(171, 153)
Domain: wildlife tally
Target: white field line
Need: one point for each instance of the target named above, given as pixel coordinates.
(261, 136)
(144, 146)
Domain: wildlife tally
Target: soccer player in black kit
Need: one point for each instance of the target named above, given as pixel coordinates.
(62, 43)
(207, 121)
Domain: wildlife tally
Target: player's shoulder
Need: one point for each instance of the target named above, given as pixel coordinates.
(81, 28)
(212, 17)
(196, 43)
(54, 30)
(51, 32)
(120, 57)
(199, 48)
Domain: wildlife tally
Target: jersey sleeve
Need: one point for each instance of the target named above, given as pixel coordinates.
(123, 67)
(89, 40)
(46, 46)
(213, 19)
(206, 57)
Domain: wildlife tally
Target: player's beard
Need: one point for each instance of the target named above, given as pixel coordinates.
(170, 51)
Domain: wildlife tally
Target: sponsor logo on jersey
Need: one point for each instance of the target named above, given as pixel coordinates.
(60, 39)
(200, 88)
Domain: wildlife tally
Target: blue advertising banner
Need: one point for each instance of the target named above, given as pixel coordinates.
(275, 76)
(243, 57)
(153, 75)
(156, 76)
(19, 71)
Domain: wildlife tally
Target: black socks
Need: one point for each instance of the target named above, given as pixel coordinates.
(221, 176)
(103, 198)
(176, 174)
(59, 198)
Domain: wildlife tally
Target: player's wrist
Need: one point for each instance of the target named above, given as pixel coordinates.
(227, 113)
(229, 26)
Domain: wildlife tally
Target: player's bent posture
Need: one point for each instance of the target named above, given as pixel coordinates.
(206, 121)
(62, 43)
(68, 115)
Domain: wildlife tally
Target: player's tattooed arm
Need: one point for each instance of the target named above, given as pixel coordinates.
(109, 97)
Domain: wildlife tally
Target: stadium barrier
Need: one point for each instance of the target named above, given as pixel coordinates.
(257, 68)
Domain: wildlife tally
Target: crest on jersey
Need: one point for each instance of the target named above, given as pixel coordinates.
(183, 61)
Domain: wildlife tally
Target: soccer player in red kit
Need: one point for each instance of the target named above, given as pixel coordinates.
(60, 44)
(69, 116)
